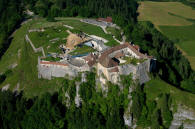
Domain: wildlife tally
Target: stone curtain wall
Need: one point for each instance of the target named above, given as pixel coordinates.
(142, 71)
(139, 72)
(47, 72)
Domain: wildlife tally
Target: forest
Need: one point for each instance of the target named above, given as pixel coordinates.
(96, 111)
(11, 15)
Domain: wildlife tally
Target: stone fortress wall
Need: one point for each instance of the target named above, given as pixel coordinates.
(139, 72)
(102, 60)
(50, 70)
(72, 67)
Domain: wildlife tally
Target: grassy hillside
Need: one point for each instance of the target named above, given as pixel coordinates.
(155, 88)
(25, 73)
(21, 56)
(184, 36)
(175, 20)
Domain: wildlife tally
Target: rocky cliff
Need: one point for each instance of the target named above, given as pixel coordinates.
(184, 116)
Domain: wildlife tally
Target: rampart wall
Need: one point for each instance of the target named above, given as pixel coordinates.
(139, 72)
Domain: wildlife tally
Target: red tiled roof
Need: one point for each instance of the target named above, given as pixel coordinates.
(88, 58)
(108, 62)
(119, 54)
(108, 19)
(101, 19)
(136, 47)
(91, 59)
(136, 51)
(91, 63)
(115, 69)
(105, 60)
(53, 63)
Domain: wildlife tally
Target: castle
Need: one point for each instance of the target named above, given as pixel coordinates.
(110, 63)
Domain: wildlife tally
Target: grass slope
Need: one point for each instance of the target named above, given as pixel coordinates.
(115, 32)
(21, 53)
(184, 36)
(43, 38)
(77, 24)
(155, 88)
(25, 73)
(175, 20)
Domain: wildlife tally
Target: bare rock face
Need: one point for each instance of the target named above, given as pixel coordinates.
(127, 115)
(6, 87)
(17, 88)
(183, 116)
(78, 99)
(67, 101)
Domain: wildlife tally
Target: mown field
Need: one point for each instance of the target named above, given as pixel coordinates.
(159, 13)
(20, 53)
(175, 20)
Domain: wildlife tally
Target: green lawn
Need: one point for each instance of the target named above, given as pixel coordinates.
(77, 24)
(156, 87)
(90, 29)
(50, 58)
(115, 32)
(45, 38)
(82, 50)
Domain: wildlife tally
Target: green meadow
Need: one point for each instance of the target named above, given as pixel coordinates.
(175, 20)
(184, 37)
(159, 13)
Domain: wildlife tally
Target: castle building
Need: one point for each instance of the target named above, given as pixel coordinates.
(110, 63)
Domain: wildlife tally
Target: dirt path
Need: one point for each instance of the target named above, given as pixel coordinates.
(67, 26)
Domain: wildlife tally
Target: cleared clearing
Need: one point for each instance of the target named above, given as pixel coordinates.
(175, 20)
(155, 88)
(159, 13)
(184, 37)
